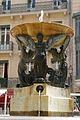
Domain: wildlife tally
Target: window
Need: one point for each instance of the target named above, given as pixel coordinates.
(1, 70)
(77, 41)
(77, 28)
(6, 5)
(4, 34)
(78, 64)
(58, 21)
(33, 3)
(3, 73)
(28, 4)
(63, 0)
(7, 35)
(57, 4)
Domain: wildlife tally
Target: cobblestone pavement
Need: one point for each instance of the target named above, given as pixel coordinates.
(7, 117)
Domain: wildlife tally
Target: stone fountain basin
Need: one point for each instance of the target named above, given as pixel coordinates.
(47, 29)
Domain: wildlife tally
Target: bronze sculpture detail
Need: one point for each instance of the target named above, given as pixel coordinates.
(32, 49)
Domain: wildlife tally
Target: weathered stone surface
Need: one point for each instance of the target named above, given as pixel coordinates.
(53, 101)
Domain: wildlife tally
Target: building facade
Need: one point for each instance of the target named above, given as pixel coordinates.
(14, 12)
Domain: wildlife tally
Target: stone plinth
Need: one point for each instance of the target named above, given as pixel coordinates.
(53, 101)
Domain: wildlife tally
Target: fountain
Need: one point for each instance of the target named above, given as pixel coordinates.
(37, 95)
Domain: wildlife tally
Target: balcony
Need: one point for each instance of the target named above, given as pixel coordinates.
(6, 47)
(47, 5)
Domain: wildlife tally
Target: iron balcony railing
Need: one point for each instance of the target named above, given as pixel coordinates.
(6, 46)
(47, 5)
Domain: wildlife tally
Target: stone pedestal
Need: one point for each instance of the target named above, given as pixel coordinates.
(53, 101)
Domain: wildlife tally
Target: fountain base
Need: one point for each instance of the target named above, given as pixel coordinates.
(53, 101)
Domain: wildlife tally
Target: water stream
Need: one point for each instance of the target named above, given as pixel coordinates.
(39, 104)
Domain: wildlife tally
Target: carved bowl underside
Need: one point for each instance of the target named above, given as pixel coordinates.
(47, 29)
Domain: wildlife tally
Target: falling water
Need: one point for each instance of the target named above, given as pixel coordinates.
(39, 103)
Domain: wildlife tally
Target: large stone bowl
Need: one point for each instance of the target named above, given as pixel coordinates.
(47, 29)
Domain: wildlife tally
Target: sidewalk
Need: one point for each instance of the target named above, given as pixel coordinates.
(6, 117)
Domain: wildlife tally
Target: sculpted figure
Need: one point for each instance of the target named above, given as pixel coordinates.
(37, 51)
(25, 79)
(40, 65)
(58, 56)
(26, 57)
(58, 78)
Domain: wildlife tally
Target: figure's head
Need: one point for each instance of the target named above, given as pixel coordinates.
(40, 37)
